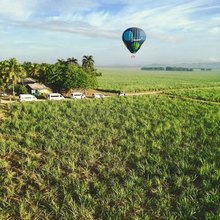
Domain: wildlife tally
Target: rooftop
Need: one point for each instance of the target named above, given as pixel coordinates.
(36, 86)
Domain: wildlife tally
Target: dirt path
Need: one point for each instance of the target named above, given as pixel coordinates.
(192, 99)
(144, 93)
(2, 101)
(193, 88)
(163, 92)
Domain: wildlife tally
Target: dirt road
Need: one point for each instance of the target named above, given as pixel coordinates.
(144, 93)
(163, 92)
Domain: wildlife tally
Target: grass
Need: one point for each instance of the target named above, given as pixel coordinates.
(148, 157)
(136, 80)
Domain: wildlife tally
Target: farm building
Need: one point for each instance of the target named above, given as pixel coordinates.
(38, 89)
(27, 81)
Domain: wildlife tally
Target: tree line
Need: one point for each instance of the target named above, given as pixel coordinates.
(206, 69)
(168, 68)
(62, 75)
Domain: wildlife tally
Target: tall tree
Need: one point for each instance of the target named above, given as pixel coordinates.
(61, 76)
(88, 63)
(35, 70)
(61, 61)
(72, 61)
(3, 85)
(27, 66)
(43, 72)
(13, 72)
(75, 77)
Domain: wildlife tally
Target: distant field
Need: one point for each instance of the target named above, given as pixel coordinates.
(136, 80)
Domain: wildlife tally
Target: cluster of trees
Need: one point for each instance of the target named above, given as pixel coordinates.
(168, 68)
(153, 68)
(206, 69)
(63, 75)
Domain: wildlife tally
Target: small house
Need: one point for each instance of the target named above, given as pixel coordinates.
(38, 89)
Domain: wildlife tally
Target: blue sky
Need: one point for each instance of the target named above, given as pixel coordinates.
(46, 30)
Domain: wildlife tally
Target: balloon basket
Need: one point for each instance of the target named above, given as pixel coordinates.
(133, 56)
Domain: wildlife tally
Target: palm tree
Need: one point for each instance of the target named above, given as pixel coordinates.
(88, 63)
(27, 67)
(13, 72)
(2, 76)
(61, 61)
(88, 66)
(43, 72)
(5, 80)
(35, 70)
(72, 61)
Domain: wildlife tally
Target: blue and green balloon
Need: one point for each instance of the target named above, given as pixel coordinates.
(133, 38)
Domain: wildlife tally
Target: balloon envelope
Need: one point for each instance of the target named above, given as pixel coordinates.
(133, 38)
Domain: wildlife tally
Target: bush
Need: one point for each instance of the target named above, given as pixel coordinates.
(21, 89)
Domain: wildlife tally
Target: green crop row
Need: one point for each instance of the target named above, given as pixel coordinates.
(120, 158)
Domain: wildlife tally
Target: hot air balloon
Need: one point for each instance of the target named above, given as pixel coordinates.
(133, 38)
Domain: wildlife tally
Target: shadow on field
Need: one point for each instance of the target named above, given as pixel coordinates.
(108, 90)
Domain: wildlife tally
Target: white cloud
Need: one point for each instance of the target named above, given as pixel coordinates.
(163, 36)
(17, 9)
(215, 30)
(213, 59)
(97, 19)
